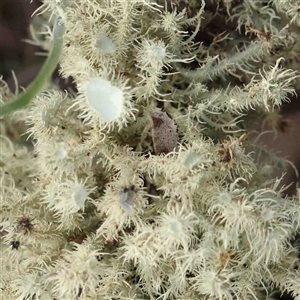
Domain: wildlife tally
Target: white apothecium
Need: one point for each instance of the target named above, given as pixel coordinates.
(105, 98)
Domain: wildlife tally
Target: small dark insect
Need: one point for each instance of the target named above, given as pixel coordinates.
(15, 245)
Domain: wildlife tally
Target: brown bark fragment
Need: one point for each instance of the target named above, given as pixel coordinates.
(164, 132)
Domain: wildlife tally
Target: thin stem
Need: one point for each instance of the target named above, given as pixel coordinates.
(49, 66)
